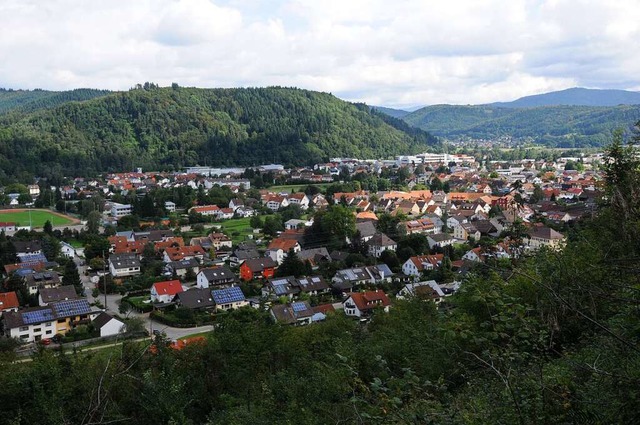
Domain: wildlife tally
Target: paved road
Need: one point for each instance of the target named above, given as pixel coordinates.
(113, 304)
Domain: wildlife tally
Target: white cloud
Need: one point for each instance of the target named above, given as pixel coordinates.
(401, 53)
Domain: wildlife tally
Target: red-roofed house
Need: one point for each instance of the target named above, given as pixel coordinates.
(206, 210)
(8, 302)
(414, 266)
(179, 253)
(279, 248)
(359, 304)
(7, 226)
(163, 292)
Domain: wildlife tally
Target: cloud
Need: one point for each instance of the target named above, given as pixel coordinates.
(402, 53)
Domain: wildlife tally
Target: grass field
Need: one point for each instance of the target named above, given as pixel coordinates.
(297, 187)
(237, 229)
(38, 218)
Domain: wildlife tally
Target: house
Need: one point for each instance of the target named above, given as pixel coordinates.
(547, 237)
(195, 299)
(429, 290)
(164, 292)
(367, 230)
(420, 226)
(380, 243)
(297, 313)
(299, 199)
(279, 248)
(359, 304)
(170, 206)
(67, 250)
(7, 226)
(39, 280)
(290, 286)
(465, 231)
(215, 276)
(206, 210)
(8, 302)
(257, 268)
(346, 279)
(294, 224)
(220, 240)
(315, 256)
(414, 266)
(34, 324)
(229, 298)
(275, 202)
(108, 325)
(61, 293)
(476, 255)
(242, 254)
(440, 240)
(123, 265)
(182, 267)
(178, 253)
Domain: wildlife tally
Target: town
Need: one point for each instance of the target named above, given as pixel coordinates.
(167, 253)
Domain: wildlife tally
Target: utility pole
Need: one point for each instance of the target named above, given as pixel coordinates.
(104, 279)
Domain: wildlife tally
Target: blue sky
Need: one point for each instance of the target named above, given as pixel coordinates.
(399, 53)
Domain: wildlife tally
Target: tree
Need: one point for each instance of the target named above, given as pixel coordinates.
(48, 227)
(24, 199)
(255, 222)
(71, 276)
(93, 222)
(291, 265)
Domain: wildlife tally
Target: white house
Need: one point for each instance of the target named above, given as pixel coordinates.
(67, 250)
(428, 289)
(229, 298)
(108, 325)
(120, 210)
(163, 292)
(359, 304)
(122, 265)
(170, 206)
(380, 243)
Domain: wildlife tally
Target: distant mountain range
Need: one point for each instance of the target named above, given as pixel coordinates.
(32, 100)
(576, 96)
(574, 117)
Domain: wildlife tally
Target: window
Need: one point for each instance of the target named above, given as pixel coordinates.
(49, 332)
(48, 324)
(24, 328)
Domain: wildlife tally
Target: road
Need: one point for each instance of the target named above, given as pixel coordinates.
(113, 304)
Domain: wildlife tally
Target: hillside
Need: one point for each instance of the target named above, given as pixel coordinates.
(576, 96)
(169, 128)
(31, 100)
(395, 113)
(561, 126)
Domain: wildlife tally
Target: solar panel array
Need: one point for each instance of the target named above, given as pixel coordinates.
(37, 316)
(299, 307)
(72, 308)
(227, 295)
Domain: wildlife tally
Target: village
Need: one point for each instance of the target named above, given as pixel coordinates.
(174, 250)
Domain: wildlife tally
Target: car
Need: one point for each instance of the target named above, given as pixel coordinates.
(45, 341)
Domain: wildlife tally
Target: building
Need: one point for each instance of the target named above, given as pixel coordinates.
(61, 293)
(123, 265)
(67, 250)
(120, 210)
(547, 237)
(41, 280)
(414, 266)
(291, 287)
(279, 248)
(8, 302)
(440, 240)
(170, 206)
(215, 276)
(7, 226)
(164, 292)
(429, 290)
(257, 268)
(380, 243)
(465, 231)
(360, 304)
(346, 279)
(297, 313)
(229, 298)
(34, 324)
(195, 299)
(108, 325)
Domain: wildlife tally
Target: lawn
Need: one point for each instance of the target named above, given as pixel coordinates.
(297, 187)
(237, 229)
(38, 217)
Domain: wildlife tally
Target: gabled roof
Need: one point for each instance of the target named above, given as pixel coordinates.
(259, 264)
(227, 295)
(49, 295)
(283, 244)
(169, 287)
(370, 299)
(8, 300)
(217, 274)
(195, 298)
(546, 233)
(380, 239)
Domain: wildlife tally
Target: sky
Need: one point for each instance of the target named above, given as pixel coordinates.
(396, 53)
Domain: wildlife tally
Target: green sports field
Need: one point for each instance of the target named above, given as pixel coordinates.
(38, 218)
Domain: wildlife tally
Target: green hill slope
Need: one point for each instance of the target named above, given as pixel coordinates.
(562, 126)
(168, 128)
(32, 100)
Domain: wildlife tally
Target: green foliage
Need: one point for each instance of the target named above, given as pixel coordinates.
(167, 128)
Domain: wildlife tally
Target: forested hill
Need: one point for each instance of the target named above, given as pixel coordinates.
(562, 126)
(169, 128)
(32, 100)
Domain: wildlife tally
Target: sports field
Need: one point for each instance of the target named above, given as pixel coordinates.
(38, 217)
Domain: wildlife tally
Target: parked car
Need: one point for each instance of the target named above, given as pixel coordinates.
(45, 341)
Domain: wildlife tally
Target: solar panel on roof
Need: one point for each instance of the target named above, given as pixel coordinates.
(315, 279)
(298, 307)
(37, 316)
(227, 295)
(72, 308)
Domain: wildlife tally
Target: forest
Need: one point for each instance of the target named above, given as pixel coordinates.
(169, 128)
(552, 126)
(551, 338)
